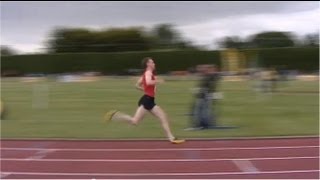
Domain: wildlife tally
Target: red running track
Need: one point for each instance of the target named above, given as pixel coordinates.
(286, 158)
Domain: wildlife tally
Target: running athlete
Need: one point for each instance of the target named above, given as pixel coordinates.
(147, 84)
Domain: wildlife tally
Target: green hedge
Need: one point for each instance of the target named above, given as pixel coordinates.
(107, 62)
(304, 59)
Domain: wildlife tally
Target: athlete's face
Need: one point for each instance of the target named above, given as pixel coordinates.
(151, 64)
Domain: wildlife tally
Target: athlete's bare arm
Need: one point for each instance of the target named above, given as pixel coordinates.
(149, 80)
(139, 84)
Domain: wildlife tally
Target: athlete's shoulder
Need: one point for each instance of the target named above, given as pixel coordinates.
(148, 72)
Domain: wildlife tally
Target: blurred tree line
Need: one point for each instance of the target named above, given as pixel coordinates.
(7, 51)
(162, 36)
(271, 39)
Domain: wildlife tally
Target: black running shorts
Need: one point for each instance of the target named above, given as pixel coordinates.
(147, 102)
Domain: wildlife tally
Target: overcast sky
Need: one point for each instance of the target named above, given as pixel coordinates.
(26, 25)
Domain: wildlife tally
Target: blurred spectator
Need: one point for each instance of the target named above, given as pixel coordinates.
(203, 116)
(269, 77)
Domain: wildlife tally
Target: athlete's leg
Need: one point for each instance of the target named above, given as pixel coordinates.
(161, 115)
(120, 116)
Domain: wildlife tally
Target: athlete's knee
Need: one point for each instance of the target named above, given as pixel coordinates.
(134, 121)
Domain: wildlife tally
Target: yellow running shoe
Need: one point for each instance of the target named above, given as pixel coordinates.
(177, 141)
(108, 116)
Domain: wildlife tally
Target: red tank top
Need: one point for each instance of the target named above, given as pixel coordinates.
(148, 89)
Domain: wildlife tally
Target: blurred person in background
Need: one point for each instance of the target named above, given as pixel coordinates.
(269, 79)
(202, 113)
(274, 79)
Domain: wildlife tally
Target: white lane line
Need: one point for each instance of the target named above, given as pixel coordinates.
(245, 166)
(160, 160)
(226, 139)
(3, 175)
(161, 174)
(162, 149)
(40, 154)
